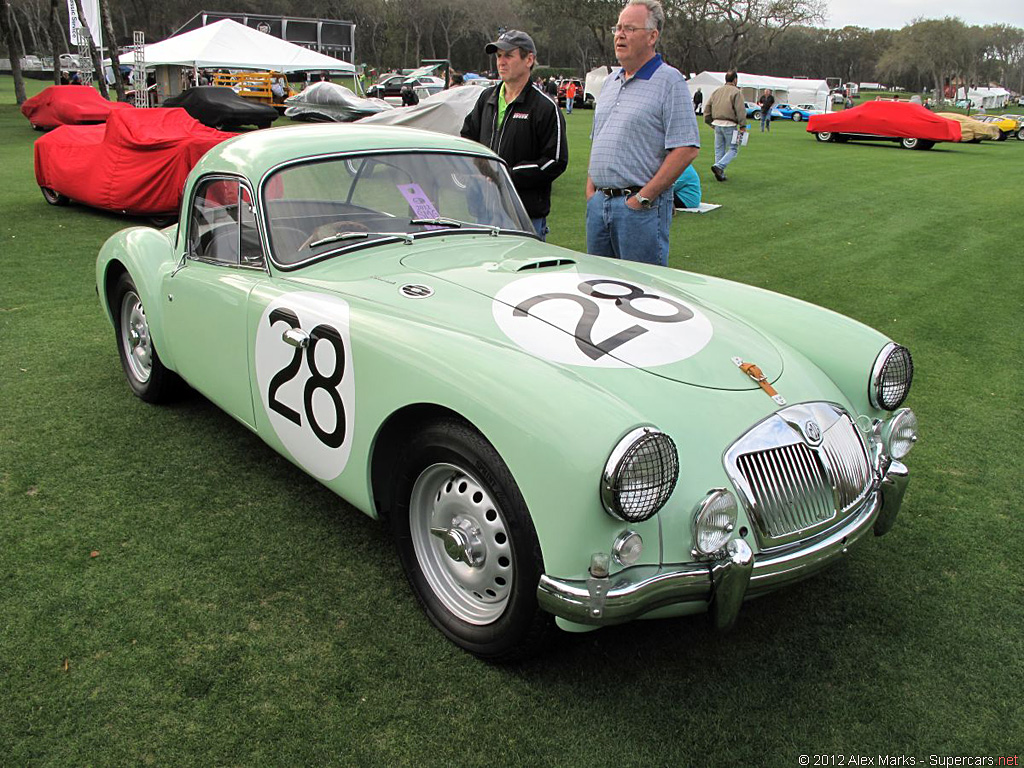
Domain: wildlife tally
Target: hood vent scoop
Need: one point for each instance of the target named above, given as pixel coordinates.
(546, 264)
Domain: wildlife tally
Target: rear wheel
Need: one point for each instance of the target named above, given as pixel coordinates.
(53, 197)
(797, 117)
(757, 114)
(467, 543)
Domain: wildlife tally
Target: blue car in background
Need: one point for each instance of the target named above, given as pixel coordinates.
(797, 113)
(754, 110)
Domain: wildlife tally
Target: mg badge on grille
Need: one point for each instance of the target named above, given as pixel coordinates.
(812, 432)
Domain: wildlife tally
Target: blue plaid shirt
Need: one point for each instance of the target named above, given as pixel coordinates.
(637, 122)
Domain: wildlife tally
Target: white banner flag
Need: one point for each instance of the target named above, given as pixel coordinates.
(91, 9)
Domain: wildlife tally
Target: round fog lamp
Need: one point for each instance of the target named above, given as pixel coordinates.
(627, 548)
(900, 433)
(714, 521)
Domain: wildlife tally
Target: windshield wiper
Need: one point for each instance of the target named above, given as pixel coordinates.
(444, 221)
(339, 236)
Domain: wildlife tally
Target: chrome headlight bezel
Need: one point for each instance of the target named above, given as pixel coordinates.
(900, 433)
(710, 535)
(893, 360)
(638, 446)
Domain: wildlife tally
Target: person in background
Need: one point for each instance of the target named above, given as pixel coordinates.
(409, 97)
(698, 102)
(522, 124)
(766, 102)
(644, 136)
(727, 114)
(570, 96)
(686, 190)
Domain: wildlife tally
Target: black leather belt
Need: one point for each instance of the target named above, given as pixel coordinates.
(615, 192)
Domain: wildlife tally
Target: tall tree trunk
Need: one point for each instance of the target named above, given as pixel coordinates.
(7, 29)
(115, 63)
(94, 54)
(56, 35)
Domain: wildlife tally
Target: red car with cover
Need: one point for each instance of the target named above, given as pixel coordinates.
(910, 124)
(68, 105)
(136, 163)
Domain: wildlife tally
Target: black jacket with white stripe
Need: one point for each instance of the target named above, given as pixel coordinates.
(531, 140)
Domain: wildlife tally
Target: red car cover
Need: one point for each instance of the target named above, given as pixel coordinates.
(68, 105)
(136, 163)
(895, 119)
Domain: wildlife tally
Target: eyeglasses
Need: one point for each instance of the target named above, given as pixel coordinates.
(629, 29)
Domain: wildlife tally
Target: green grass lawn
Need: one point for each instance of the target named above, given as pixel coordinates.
(173, 593)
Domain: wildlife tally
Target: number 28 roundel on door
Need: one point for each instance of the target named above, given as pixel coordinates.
(305, 379)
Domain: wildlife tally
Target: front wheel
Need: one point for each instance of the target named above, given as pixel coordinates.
(757, 114)
(53, 197)
(1020, 134)
(909, 143)
(824, 136)
(146, 374)
(467, 543)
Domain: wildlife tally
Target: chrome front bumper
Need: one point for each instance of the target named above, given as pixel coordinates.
(723, 583)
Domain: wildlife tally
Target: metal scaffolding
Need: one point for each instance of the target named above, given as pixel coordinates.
(141, 95)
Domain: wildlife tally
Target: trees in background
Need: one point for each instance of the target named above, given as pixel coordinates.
(774, 37)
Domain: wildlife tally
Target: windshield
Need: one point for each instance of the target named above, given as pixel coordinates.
(329, 206)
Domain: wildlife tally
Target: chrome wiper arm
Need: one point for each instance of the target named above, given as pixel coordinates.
(337, 236)
(439, 221)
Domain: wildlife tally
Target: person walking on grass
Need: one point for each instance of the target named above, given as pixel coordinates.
(766, 102)
(727, 114)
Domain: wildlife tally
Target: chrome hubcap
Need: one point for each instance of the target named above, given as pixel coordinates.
(135, 337)
(461, 543)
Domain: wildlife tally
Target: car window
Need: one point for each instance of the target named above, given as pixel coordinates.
(332, 205)
(222, 225)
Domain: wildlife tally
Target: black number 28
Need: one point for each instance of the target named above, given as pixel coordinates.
(592, 310)
(316, 380)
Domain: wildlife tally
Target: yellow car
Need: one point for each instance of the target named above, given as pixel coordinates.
(1007, 125)
(1020, 124)
(972, 130)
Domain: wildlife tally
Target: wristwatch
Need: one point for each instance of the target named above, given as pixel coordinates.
(645, 202)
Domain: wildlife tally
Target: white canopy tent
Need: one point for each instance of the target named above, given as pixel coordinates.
(985, 98)
(787, 90)
(226, 44)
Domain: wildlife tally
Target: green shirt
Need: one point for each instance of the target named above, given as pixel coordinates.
(502, 106)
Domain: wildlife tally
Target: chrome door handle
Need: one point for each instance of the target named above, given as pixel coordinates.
(296, 337)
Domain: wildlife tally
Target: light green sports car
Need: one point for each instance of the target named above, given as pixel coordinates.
(553, 438)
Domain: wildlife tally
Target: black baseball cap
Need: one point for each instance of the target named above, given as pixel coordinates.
(511, 39)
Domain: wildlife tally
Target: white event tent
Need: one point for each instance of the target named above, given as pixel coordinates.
(226, 44)
(787, 90)
(985, 98)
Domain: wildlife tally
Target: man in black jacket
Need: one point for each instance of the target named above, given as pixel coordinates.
(522, 124)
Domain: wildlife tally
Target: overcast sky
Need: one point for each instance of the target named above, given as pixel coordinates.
(894, 14)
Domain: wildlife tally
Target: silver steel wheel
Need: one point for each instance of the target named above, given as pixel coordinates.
(797, 117)
(138, 348)
(461, 543)
(823, 136)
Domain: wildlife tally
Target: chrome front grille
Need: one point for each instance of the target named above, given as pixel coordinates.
(800, 471)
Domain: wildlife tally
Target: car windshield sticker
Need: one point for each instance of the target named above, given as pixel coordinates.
(304, 373)
(597, 321)
(422, 208)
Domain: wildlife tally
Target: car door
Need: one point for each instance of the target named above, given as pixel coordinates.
(207, 297)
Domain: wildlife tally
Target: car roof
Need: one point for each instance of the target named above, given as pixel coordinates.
(253, 154)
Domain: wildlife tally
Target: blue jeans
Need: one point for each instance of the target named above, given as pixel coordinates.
(568, 105)
(725, 149)
(541, 225)
(766, 121)
(615, 230)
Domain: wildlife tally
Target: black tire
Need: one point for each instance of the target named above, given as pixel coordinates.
(1020, 134)
(163, 220)
(53, 197)
(924, 144)
(841, 138)
(825, 136)
(1002, 136)
(756, 115)
(455, 495)
(146, 374)
(909, 143)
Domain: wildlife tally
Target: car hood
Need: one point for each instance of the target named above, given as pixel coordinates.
(688, 341)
